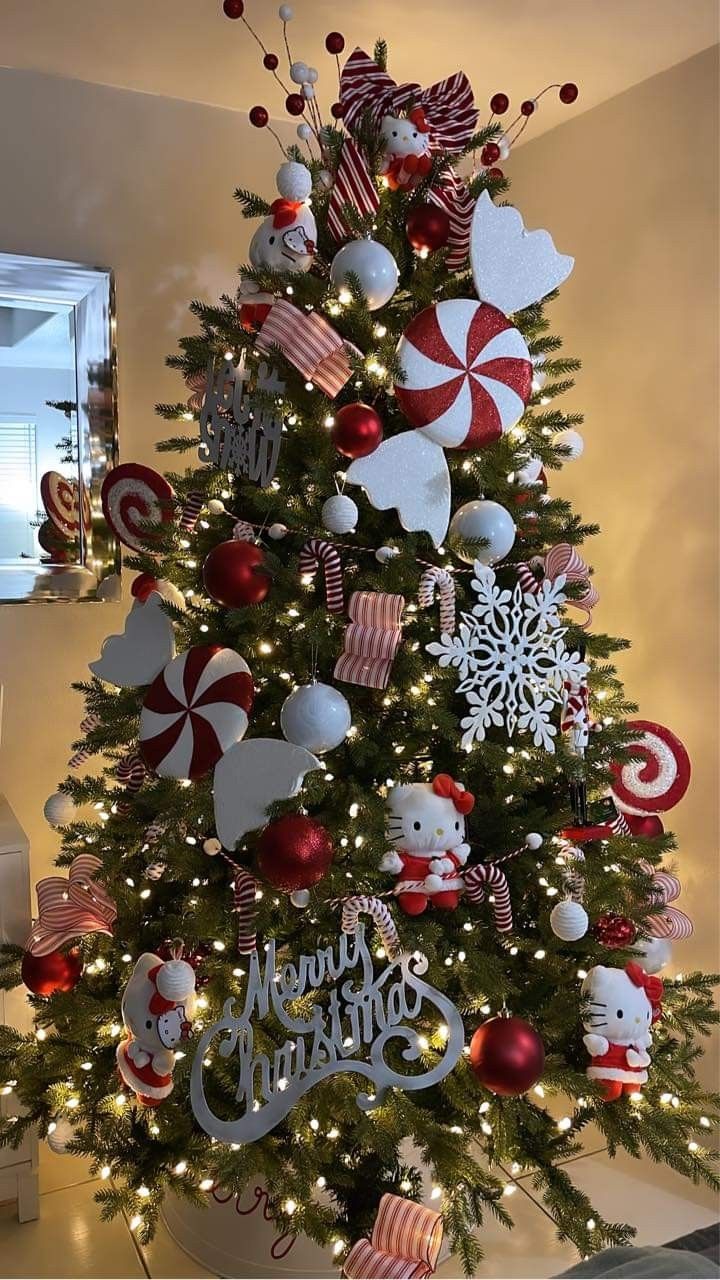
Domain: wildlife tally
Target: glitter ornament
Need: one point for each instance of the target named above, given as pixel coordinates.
(427, 227)
(294, 852)
(134, 498)
(507, 1056)
(614, 931)
(569, 921)
(512, 267)
(482, 521)
(339, 514)
(648, 827)
(659, 779)
(316, 716)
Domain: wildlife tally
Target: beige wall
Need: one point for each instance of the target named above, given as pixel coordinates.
(143, 184)
(630, 188)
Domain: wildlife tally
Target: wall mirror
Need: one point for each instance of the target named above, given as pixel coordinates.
(58, 430)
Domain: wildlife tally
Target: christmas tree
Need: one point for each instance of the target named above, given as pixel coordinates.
(374, 837)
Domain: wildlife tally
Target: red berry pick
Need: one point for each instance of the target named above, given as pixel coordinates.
(528, 106)
(568, 92)
(499, 104)
(259, 117)
(336, 110)
(334, 42)
(490, 153)
(271, 61)
(233, 8)
(295, 104)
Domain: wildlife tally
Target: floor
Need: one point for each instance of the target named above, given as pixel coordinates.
(70, 1241)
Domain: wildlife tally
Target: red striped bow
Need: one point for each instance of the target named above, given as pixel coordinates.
(444, 785)
(309, 343)
(652, 985)
(448, 107)
(70, 908)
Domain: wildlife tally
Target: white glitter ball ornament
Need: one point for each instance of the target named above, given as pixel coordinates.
(569, 921)
(316, 716)
(339, 514)
(294, 180)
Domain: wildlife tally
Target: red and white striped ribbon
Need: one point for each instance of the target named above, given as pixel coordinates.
(442, 581)
(488, 875)
(318, 551)
(576, 705)
(371, 640)
(87, 725)
(529, 581)
(192, 507)
(353, 186)
(560, 559)
(405, 1243)
(448, 105)
(154, 832)
(453, 196)
(244, 887)
(197, 384)
(361, 904)
(668, 922)
(309, 343)
(69, 908)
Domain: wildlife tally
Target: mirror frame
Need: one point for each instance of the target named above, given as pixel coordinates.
(91, 293)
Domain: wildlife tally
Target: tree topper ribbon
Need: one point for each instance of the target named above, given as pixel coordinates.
(69, 908)
(449, 115)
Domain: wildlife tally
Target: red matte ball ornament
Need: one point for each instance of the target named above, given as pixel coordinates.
(259, 117)
(57, 971)
(499, 103)
(528, 106)
(614, 931)
(294, 852)
(271, 61)
(233, 8)
(336, 111)
(295, 104)
(568, 92)
(357, 430)
(507, 1056)
(334, 42)
(233, 574)
(490, 153)
(648, 827)
(427, 227)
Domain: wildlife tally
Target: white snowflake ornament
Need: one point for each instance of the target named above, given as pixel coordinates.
(511, 659)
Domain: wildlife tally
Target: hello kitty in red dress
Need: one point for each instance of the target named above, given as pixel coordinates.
(622, 1005)
(426, 826)
(407, 158)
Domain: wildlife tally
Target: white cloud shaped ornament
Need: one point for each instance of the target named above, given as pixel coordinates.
(250, 777)
(145, 647)
(512, 267)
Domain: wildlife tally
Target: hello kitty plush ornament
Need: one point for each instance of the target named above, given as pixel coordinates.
(157, 1009)
(426, 826)
(407, 150)
(622, 1006)
(286, 240)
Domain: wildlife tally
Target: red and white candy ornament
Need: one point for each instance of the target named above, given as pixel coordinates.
(660, 779)
(134, 498)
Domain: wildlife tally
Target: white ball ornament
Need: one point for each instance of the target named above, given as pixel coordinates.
(653, 954)
(62, 1134)
(374, 266)
(304, 132)
(572, 440)
(294, 180)
(59, 809)
(216, 507)
(278, 531)
(569, 921)
(482, 519)
(339, 514)
(308, 91)
(285, 12)
(316, 716)
(175, 980)
(212, 846)
(298, 71)
(300, 898)
(312, 75)
(383, 554)
(504, 145)
(326, 178)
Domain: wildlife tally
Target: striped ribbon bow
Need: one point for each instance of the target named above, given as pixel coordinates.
(561, 559)
(309, 343)
(371, 640)
(69, 908)
(448, 106)
(668, 922)
(353, 186)
(405, 1242)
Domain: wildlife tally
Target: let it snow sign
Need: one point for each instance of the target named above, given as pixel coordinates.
(349, 1032)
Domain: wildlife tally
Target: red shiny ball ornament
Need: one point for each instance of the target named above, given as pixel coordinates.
(336, 111)
(427, 227)
(233, 8)
(528, 106)
(490, 153)
(499, 103)
(507, 1056)
(271, 61)
(648, 826)
(495, 173)
(568, 92)
(143, 586)
(357, 430)
(334, 42)
(295, 104)
(233, 574)
(259, 117)
(294, 853)
(614, 931)
(57, 971)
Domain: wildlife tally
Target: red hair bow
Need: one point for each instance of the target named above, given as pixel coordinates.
(651, 984)
(284, 212)
(418, 118)
(443, 785)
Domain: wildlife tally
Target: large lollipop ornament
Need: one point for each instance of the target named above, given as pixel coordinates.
(136, 500)
(659, 779)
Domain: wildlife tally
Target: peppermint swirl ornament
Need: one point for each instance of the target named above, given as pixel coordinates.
(61, 500)
(659, 780)
(134, 498)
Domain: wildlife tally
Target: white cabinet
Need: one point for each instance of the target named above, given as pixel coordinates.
(18, 1169)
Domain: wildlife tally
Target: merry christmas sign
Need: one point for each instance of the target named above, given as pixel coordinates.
(362, 1014)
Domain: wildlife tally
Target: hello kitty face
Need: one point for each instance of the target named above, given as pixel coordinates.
(420, 821)
(403, 137)
(285, 248)
(616, 1008)
(173, 1026)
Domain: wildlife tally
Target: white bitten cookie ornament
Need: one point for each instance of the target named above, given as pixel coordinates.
(426, 827)
(287, 239)
(407, 159)
(622, 1005)
(146, 645)
(512, 267)
(157, 1010)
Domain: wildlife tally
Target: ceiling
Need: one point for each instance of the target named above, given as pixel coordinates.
(188, 49)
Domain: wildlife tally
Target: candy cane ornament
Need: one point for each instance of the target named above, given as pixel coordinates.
(362, 904)
(315, 553)
(134, 498)
(244, 889)
(488, 876)
(659, 780)
(190, 513)
(437, 579)
(87, 725)
(131, 771)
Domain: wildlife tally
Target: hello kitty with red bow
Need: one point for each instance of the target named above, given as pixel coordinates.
(407, 156)
(622, 1005)
(158, 1005)
(287, 239)
(426, 826)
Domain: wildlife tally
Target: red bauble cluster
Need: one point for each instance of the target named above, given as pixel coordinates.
(334, 42)
(57, 971)
(295, 104)
(648, 826)
(234, 576)
(507, 1055)
(271, 61)
(259, 117)
(233, 8)
(427, 227)
(357, 430)
(294, 852)
(499, 104)
(568, 92)
(613, 931)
